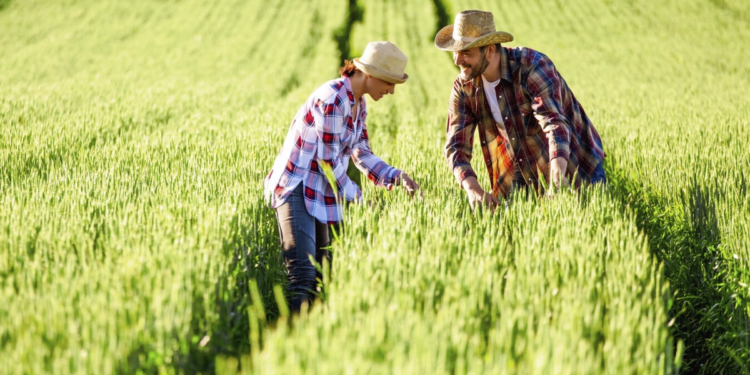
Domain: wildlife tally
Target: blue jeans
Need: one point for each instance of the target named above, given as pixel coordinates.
(302, 236)
(598, 175)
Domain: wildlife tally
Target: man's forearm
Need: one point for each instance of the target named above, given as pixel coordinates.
(471, 184)
(558, 169)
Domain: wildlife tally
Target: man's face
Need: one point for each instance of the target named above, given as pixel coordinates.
(377, 88)
(472, 63)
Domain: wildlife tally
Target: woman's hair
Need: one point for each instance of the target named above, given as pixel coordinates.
(348, 69)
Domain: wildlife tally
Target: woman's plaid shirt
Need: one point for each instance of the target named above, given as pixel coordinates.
(323, 132)
(538, 107)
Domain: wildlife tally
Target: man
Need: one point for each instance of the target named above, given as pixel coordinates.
(529, 120)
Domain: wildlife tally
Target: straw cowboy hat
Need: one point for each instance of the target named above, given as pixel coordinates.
(472, 28)
(383, 60)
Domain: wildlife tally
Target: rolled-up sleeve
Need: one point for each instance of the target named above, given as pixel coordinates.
(376, 170)
(459, 135)
(546, 88)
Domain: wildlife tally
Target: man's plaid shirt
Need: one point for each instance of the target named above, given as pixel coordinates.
(537, 107)
(323, 132)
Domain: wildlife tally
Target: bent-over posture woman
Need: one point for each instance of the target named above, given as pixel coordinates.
(328, 130)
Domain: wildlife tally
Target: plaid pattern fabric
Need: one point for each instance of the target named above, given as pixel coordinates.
(541, 116)
(321, 133)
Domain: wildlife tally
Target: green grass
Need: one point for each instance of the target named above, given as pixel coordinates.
(134, 236)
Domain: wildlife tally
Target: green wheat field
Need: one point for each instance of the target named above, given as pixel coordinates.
(134, 237)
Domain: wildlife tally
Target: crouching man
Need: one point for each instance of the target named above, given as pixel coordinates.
(528, 118)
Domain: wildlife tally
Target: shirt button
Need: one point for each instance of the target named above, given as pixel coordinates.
(506, 117)
(500, 96)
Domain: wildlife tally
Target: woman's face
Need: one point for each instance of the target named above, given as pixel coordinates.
(377, 88)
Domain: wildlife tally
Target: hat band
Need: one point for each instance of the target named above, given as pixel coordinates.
(467, 39)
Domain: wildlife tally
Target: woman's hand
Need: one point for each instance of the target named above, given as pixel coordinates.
(410, 185)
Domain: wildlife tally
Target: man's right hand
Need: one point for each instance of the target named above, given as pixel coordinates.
(477, 196)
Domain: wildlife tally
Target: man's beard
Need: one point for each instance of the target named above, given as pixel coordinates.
(477, 69)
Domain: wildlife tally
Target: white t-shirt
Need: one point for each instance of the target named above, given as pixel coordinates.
(489, 91)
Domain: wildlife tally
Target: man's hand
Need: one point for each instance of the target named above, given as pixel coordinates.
(557, 169)
(410, 185)
(477, 196)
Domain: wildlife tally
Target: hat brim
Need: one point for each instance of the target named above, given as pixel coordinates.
(379, 73)
(444, 40)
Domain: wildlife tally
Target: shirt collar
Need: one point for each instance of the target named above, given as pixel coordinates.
(349, 90)
(504, 65)
(350, 95)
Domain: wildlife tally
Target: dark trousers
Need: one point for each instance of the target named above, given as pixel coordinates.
(597, 177)
(302, 237)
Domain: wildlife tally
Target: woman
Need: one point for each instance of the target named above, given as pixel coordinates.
(326, 132)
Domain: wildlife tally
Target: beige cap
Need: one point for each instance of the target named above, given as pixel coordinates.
(472, 28)
(383, 60)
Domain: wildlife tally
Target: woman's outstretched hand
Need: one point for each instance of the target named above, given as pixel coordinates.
(410, 186)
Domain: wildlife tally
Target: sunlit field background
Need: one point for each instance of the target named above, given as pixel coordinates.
(134, 237)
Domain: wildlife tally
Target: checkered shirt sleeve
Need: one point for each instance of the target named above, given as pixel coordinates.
(460, 134)
(548, 90)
